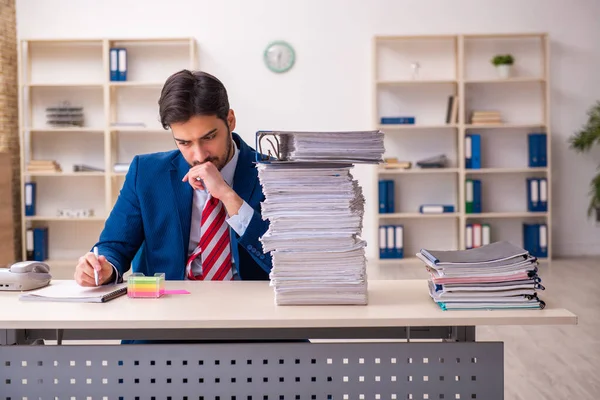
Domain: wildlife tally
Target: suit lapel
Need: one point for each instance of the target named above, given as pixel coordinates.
(183, 199)
(246, 175)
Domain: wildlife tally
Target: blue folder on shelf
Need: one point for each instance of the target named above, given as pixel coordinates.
(40, 244)
(477, 196)
(543, 195)
(436, 208)
(397, 120)
(386, 196)
(30, 196)
(473, 151)
(533, 193)
(391, 241)
(535, 239)
(537, 194)
(122, 65)
(537, 148)
(114, 64)
(382, 196)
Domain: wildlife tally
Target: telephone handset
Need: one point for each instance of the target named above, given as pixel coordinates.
(25, 275)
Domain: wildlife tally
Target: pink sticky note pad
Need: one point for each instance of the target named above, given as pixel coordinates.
(176, 291)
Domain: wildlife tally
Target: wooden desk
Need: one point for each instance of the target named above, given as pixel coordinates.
(246, 310)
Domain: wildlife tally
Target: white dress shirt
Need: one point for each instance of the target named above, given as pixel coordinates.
(238, 222)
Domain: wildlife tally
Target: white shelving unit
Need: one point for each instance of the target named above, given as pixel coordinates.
(460, 65)
(78, 71)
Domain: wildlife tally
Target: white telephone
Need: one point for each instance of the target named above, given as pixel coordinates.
(25, 275)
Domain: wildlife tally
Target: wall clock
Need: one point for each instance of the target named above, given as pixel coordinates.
(279, 56)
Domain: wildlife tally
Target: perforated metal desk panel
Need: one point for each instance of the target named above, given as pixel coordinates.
(452, 365)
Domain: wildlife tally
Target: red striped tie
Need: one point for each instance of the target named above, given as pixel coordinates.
(214, 245)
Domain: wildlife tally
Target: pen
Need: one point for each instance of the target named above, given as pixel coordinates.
(95, 271)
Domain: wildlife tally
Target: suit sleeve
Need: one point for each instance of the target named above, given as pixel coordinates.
(123, 232)
(250, 241)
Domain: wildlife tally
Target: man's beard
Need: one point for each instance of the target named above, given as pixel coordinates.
(220, 163)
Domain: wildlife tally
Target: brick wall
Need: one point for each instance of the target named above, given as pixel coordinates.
(9, 118)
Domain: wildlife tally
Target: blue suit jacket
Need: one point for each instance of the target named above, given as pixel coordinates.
(149, 226)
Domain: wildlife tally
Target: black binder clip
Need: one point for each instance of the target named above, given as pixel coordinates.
(268, 146)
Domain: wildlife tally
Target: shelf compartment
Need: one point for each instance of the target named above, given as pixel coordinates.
(521, 79)
(528, 51)
(55, 63)
(69, 129)
(506, 126)
(508, 214)
(436, 56)
(151, 62)
(418, 82)
(418, 215)
(524, 170)
(65, 219)
(83, 174)
(396, 127)
(432, 171)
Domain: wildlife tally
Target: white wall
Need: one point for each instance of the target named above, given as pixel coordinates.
(330, 86)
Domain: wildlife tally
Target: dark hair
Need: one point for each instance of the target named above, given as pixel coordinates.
(186, 94)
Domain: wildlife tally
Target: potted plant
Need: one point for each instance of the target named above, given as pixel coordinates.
(583, 141)
(503, 63)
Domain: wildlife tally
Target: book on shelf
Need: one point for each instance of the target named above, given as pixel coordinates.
(43, 166)
(394, 163)
(486, 117)
(452, 110)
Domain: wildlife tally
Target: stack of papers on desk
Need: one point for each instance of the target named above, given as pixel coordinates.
(495, 276)
(354, 147)
(315, 210)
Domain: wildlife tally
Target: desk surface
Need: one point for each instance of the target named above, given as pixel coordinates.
(237, 304)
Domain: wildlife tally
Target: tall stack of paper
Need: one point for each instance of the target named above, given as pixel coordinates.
(495, 276)
(315, 210)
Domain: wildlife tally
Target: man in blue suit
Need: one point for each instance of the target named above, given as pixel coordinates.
(157, 223)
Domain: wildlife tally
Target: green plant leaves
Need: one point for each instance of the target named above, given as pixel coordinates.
(501, 59)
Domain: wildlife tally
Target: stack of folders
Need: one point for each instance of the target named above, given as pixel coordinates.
(486, 117)
(37, 166)
(315, 210)
(500, 275)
